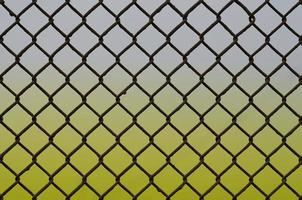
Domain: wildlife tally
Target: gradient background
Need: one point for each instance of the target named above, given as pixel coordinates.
(32, 138)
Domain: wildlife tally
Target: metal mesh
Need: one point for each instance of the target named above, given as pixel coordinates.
(212, 179)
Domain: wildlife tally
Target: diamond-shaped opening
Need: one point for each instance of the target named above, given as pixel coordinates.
(117, 79)
(283, 6)
(117, 39)
(7, 59)
(235, 59)
(167, 19)
(118, 192)
(284, 120)
(234, 179)
(16, 73)
(83, 7)
(117, 160)
(51, 159)
(40, 179)
(50, 79)
(84, 119)
(67, 139)
(185, 193)
(292, 18)
(251, 80)
(294, 100)
(6, 175)
(67, 65)
(185, 119)
(100, 59)
(218, 38)
(265, 183)
(201, 139)
(7, 99)
(50, 6)
(284, 192)
(34, 139)
(218, 193)
(134, 19)
(248, 164)
(218, 79)
(83, 39)
(50, 119)
(100, 139)
(16, 39)
(150, 39)
(252, 5)
(251, 191)
(148, 82)
(202, 179)
(269, 19)
(184, 79)
(267, 60)
(33, 14)
(7, 138)
(100, 19)
(17, 164)
(248, 116)
(83, 73)
(151, 192)
(294, 180)
(168, 99)
(218, 119)
(33, 65)
(135, 180)
(117, 119)
(100, 99)
(115, 6)
(33, 104)
(201, 94)
(101, 179)
(85, 193)
(84, 159)
(151, 114)
(234, 140)
(267, 100)
(134, 140)
(167, 59)
(228, 100)
(7, 19)
(235, 11)
(201, 12)
(183, 6)
(150, 6)
(216, 5)
(294, 140)
(67, 99)
(50, 39)
(66, 20)
(294, 60)
(281, 33)
(218, 159)
(17, 6)
(151, 159)
(17, 192)
(134, 65)
(251, 40)
(68, 184)
(201, 58)
(168, 140)
(134, 94)
(185, 159)
(168, 179)
(267, 140)
(17, 114)
(284, 160)
(184, 39)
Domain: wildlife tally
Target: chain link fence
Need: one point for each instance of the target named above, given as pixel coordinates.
(140, 99)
